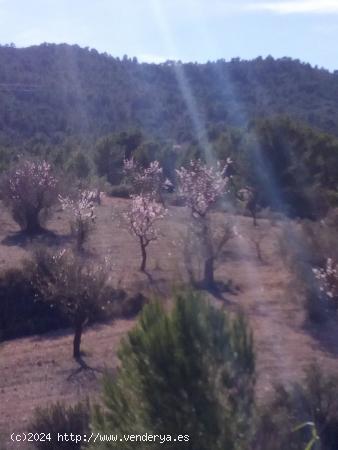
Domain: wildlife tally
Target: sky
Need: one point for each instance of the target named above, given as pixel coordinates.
(186, 30)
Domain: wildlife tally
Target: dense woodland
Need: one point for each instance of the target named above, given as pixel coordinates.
(277, 118)
(62, 90)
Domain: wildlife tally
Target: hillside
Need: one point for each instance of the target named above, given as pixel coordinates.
(93, 149)
(62, 90)
(38, 370)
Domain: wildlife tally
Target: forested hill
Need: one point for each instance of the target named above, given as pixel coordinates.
(66, 90)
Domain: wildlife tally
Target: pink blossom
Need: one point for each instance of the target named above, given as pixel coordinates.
(83, 217)
(201, 186)
(142, 216)
(145, 180)
(82, 208)
(28, 189)
(30, 180)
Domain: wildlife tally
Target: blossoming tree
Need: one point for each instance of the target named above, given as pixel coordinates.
(142, 217)
(201, 186)
(82, 210)
(79, 289)
(29, 190)
(145, 180)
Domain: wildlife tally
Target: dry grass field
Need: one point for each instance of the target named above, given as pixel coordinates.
(35, 371)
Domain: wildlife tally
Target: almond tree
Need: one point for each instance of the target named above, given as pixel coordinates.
(145, 180)
(201, 186)
(75, 286)
(83, 215)
(142, 216)
(29, 190)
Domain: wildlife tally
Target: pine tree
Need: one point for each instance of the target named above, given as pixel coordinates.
(187, 372)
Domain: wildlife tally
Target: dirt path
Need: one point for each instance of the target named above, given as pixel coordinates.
(39, 371)
(284, 346)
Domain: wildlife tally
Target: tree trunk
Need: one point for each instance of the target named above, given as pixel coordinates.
(80, 235)
(252, 207)
(144, 256)
(209, 272)
(253, 215)
(77, 339)
(209, 279)
(32, 222)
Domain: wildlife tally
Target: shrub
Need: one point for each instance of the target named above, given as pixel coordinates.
(60, 419)
(131, 306)
(122, 190)
(22, 312)
(80, 165)
(315, 400)
(189, 372)
(29, 190)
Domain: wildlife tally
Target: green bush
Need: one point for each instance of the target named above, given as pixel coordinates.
(57, 420)
(122, 190)
(131, 306)
(188, 372)
(80, 165)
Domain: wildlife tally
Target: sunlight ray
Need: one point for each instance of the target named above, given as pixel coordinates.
(183, 83)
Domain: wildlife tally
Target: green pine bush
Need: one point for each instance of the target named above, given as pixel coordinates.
(189, 371)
